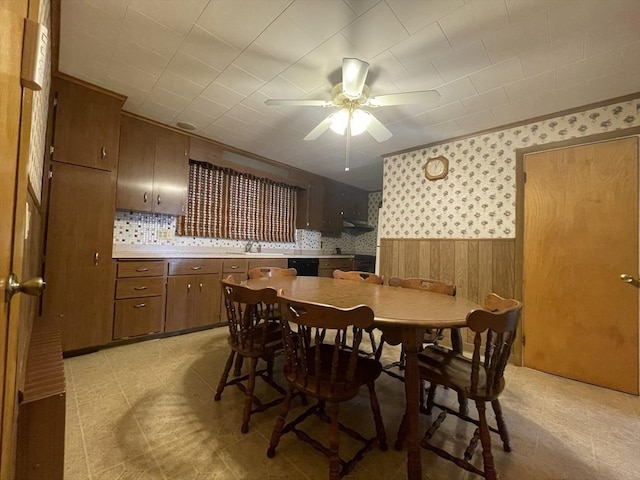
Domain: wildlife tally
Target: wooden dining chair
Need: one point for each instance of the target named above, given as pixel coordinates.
(480, 378)
(431, 336)
(254, 336)
(365, 277)
(317, 365)
(261, 272)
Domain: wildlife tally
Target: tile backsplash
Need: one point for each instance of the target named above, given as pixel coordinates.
(137, 228)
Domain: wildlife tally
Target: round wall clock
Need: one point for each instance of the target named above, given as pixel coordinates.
(436, 168)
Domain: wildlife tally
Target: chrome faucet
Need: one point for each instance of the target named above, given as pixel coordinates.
(249, 246)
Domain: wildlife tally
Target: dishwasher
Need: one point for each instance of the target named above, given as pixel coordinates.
(306, 267)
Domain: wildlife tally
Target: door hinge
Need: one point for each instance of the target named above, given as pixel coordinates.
(55, 100)
(50, 173)
(51, 150)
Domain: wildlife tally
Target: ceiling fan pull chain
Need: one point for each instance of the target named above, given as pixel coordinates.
(348, 135)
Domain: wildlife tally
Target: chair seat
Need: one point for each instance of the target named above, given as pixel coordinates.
(442, 366)
(320, 386)
(252, 341)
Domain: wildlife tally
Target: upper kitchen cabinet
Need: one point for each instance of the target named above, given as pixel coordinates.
(355, 203)
(87, 125)
(153, 172)
(310, 202)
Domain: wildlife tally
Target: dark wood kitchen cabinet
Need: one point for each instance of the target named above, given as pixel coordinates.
(140, 298)
(79, 270)
(87, 125)
(193, 294)
(355, 203)
(153, 171)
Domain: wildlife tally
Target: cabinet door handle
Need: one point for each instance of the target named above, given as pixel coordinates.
(142, 269)
(96, 259)
(140, 305)
(139, 288)
(158, 199)
(188, 288)
(103, 152)
(200, 287)
(196, 268)
(145, 197)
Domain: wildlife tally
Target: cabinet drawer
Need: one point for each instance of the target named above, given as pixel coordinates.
(234, 265)
(339, 263)
(190, 266)
(139, 287)
(141, 269)
(138, 316)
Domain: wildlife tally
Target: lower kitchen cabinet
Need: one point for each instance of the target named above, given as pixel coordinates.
(193, 294)
(140, 298)
(79, 270)
(328, 265)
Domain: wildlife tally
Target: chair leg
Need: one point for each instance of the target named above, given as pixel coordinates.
(402, 432)
(485, 439)
(334, 443)
(270, 362)
(225, 376)
(277, 428)
(463, 406)
(379, 349)
(377, 417)
(502, 426)
(431, 396)
(238, 367)
(248, 401)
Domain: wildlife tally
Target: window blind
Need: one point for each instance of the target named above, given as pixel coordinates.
(224, 203)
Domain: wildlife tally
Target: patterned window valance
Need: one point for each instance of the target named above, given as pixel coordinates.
(224, 203)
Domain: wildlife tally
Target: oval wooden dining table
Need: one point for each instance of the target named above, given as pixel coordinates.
(401, 314)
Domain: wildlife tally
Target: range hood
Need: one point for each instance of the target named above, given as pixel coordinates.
(357, 226)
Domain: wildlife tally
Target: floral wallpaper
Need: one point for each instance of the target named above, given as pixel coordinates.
(477, 198)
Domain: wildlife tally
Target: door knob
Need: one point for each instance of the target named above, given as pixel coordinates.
(33, 286)
(626, 278)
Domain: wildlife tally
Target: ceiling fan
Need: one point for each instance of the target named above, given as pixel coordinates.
(351, 97)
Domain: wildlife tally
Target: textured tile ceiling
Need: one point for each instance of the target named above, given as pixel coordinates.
(213, 63)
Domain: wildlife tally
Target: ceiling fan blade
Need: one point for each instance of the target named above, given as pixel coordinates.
(424, 97)
(322, 127)
(378, 130)
(302, 102)
(354, 74)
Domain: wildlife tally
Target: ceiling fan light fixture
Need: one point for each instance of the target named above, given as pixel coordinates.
(360, 120)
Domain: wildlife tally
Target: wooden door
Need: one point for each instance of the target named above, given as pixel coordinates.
(87, 126)
(13, 195)
(180, 292)
(171, 172)
(207, 301)
(79, 270)
(135, 165)
(580, 234)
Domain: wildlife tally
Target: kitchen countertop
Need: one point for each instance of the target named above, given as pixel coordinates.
(178, 251)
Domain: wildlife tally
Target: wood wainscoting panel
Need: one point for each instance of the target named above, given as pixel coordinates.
(476, 266)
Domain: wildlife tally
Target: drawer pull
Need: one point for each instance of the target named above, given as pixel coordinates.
(139, 288)
(234, 267)
(196, 268)
(140, 305)
(142, 269)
